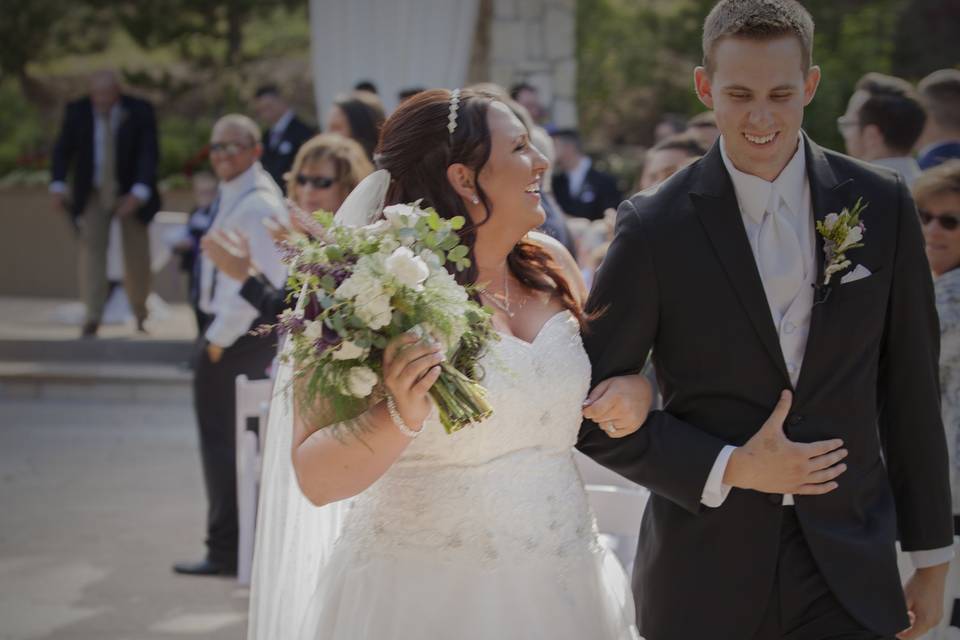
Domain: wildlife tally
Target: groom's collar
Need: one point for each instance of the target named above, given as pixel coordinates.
(756, 195)
(714, 180)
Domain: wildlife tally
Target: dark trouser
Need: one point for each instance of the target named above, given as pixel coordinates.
(801, 605)
(214, 399)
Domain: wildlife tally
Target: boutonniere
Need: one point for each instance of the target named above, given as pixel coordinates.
(841, 232)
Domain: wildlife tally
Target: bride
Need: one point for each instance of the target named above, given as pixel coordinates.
(485, 533)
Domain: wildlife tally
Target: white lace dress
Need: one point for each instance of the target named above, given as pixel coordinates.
(485, 533)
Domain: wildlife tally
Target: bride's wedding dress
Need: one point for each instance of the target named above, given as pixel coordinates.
(486, 533)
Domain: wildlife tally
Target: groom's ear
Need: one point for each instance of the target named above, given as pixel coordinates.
(463, 180)
(703, 86)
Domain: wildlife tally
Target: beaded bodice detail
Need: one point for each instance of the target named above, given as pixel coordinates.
(504, 490)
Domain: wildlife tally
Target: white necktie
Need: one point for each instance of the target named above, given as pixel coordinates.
(780, 259)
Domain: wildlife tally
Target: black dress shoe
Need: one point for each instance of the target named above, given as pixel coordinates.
(204, 568)
(89, 330)
(141, 325)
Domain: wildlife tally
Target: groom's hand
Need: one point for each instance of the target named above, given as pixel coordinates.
(771, 463)
(924, 595)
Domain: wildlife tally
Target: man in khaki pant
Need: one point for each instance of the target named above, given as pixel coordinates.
(109, 140)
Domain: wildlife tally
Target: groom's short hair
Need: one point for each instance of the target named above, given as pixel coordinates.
(757, 20)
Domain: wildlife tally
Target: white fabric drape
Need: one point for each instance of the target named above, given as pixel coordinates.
(394, 43)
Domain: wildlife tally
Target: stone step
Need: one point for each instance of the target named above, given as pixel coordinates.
(101, 350)
(96, 381)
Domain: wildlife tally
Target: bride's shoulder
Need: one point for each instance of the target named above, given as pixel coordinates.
(563, 259)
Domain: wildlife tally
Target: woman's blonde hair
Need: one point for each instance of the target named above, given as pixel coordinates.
(347, 156)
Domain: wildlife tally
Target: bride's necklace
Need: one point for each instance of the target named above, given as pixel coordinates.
(505, 297)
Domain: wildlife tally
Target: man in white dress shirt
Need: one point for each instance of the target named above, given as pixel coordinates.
(246, 197)
(776, 526)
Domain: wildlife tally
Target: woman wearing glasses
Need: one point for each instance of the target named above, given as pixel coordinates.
(937, 193)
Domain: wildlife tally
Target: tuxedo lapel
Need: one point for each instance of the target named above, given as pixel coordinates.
(716, 205)
(827, 195)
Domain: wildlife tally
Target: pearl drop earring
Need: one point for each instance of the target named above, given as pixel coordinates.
(475, 200)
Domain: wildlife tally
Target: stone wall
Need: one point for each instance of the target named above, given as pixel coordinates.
(535, 41)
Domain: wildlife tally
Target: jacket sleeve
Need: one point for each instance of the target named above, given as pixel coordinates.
(911, 428)
(148, 150)
(670, 457)
(65, 147)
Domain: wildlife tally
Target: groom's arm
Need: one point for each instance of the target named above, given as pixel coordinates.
(670, 457)
(908, 394)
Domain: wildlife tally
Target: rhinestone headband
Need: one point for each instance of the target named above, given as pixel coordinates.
(454, 107)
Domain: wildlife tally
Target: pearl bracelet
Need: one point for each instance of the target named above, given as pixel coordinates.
(398, 420)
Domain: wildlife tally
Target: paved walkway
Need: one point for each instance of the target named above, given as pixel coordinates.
(97, 498)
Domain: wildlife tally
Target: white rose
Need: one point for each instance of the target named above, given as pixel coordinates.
(831, 220)
(378, 227)
(408, 269)
(349, 351)
(394, 214)
(361, 381)
(375, 311)
(314, 329)
(855, 235)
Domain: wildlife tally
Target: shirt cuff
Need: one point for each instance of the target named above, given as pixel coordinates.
(715, 492)
(140, 191)
(931, 557)
(58, 186)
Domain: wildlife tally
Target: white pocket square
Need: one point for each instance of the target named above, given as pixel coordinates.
(859, 273)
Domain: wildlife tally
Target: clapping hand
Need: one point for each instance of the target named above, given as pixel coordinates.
(620, 405)
(230, 251)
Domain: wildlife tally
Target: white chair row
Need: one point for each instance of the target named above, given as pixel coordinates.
(253, 405)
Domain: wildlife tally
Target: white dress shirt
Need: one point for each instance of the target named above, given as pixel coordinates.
(576, 177)
(139, 190)
(245, 202)
(906, 166)
(279, 128)
(791, 192)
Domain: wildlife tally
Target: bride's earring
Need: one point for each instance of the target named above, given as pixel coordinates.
(475, 200)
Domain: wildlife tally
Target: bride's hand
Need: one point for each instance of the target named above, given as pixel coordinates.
(410, 367)
(620, 405)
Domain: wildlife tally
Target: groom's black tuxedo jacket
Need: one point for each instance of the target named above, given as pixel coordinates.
(680, 279)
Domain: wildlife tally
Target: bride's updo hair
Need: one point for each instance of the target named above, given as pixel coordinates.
(416, 148)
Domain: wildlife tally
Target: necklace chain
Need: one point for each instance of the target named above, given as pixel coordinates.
(495, 299)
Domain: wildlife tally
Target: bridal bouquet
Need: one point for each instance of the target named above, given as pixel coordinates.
(363, 286)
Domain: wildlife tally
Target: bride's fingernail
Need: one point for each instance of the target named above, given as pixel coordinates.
(587, 402)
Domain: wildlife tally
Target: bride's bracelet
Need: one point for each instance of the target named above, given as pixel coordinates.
(398, 419)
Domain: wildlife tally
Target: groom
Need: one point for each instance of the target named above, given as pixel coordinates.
(782, 526)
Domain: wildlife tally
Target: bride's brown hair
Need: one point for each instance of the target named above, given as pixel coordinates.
(416, 148)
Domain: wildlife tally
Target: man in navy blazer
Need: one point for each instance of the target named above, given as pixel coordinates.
(108, 141)
(940, 140)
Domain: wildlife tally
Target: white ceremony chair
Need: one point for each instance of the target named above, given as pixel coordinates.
(253, 404)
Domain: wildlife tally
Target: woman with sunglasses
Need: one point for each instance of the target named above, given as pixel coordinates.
(937, 194)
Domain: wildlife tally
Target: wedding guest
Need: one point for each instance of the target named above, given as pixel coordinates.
(670, 125)
(358, 115)
(325, 171)
(940, 140)
(366, 85)
(667, 157)
(284, 132)
(883, 122)
(937, 193)
(703, 127)
(108, 141)
(527, 95)
(581, 189)
(188, 246)
(247, 196)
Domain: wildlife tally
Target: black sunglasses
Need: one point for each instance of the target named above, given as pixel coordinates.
(947, 221)
(318, 182)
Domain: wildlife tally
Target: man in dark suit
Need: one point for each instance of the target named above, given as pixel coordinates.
(763, 528)
(940, 140)
(580, 189)
(109, 141)
(284, 135)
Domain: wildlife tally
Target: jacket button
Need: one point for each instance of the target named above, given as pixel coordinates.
(794, 419)
(775, 498)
